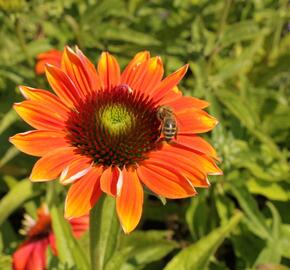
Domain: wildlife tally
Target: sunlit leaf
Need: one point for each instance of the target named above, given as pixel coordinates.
(197, 255)
(15, 198)
(141, 248)
(254, 218)
(240, 31)
(69, 250)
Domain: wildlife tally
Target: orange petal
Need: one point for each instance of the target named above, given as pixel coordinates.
(171, 96)
(52, 57)
(31, 256)
(75, 170)
(40, 66)
(42, 211)
(53, 53)
(83, 194)
(52, 243)
(169, 83)
(63, 86)
(37, 260)
(40, 115)
(39, 142)
(131, 67)
(44, 96)
(197, 144)
(91, 70)
(129, 200)
(109, 180)
(200, 161)
(182, 166)
(109, 70)
(51, 165)
(22, 255)
(137, 75)
(77, 71)
(193, 121)
(153, 75)
(184, 103)
(164, 182)
(79, 225)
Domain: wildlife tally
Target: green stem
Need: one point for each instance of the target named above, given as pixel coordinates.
(215, 107)
(104, 232)
(21, 40)
(279, 28)
(94, 235)
(221, 27)
(51, 195)
(224, 17)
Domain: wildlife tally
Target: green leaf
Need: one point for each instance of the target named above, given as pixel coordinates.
(8, 236)
(141, 248)
(248, 117)
(11, 76)
(197, 255)
(8, 119)
(104, 231)
(273, 250)
(149, 246)
(285, 240)
(225, 208)
(61, 229)
(240, 31)
(255, 220)
(129, 35)
(69, 250)
(269, 254)
(236, 105)
(5, 262)
(9, 154)
(273, 191)
(271, 266)
(119, 258)
(15, 198)
(197, 216)
(241, 241)
(232, 67)
(96, 12)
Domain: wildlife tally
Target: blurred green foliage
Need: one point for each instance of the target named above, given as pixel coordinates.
(239, 55)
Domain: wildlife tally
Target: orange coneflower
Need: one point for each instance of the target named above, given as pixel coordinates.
(31, 254)
(52, 57)
(102, 133)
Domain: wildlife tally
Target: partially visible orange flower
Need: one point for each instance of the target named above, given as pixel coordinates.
(31, 254)
(52, 57)
(102, 132)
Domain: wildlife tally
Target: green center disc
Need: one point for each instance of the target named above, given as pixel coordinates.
(117, 119)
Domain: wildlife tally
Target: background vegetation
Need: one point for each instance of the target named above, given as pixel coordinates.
(239, 55)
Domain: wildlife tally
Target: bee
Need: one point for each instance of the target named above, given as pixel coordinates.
(168, 121)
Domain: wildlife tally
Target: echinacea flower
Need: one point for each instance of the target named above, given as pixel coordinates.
(52, 57)
(31, 254)
(101, 132)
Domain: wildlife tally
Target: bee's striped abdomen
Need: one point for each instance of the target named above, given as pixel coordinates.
(169, 128)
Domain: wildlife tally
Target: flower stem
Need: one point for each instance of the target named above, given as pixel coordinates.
(104, 232)
(50, 193)
(94, 234)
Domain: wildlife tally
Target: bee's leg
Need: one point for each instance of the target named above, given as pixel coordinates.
(160, 140)
(175, 136)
